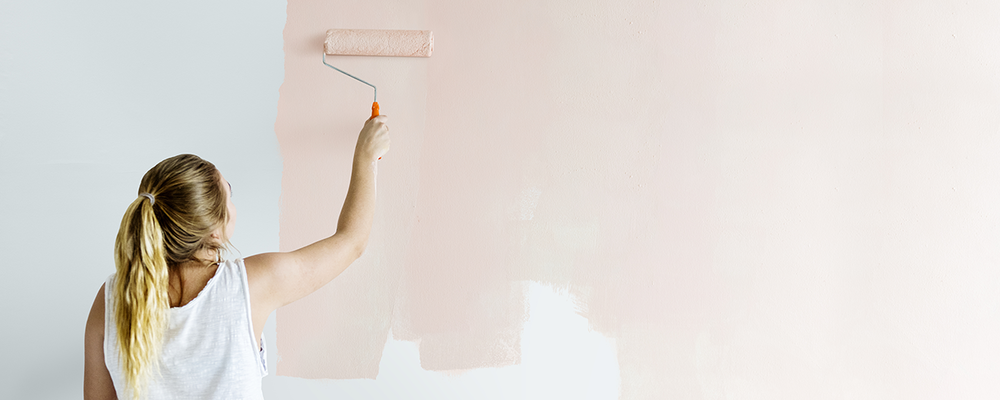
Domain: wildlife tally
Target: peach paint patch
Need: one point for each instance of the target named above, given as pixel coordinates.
(736, 194)
(522, 156)
(340, 331)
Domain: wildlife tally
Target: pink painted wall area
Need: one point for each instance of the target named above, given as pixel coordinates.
(774, 199)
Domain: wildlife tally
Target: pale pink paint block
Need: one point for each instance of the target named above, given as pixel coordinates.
(775, 199)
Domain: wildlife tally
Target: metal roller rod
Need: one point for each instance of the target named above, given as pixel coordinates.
(352, 76)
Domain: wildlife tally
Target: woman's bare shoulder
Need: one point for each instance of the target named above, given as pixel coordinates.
(96, 318)
(97, 383)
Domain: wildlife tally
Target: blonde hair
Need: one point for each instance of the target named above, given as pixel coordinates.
(185, 204)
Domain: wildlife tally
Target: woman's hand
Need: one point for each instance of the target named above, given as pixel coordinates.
(373, 142)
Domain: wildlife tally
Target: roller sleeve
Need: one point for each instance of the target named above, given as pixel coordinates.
(373, 42)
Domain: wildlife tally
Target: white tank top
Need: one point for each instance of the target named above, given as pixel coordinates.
(209, 351)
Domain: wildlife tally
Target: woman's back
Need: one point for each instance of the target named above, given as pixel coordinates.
(209, 349)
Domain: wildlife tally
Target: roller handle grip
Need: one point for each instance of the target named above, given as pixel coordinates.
(375, 113)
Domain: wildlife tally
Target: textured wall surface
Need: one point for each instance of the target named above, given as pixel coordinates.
(775, 199)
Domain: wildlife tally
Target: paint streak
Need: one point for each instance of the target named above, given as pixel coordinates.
(340, 331)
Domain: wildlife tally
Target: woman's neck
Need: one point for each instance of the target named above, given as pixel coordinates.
(188, 279)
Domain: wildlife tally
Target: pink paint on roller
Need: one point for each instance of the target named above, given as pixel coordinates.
(375, 42)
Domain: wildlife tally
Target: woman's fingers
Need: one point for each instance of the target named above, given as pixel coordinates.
(373, 142)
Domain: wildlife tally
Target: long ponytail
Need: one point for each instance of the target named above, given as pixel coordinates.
(181, 202)
(141, 284)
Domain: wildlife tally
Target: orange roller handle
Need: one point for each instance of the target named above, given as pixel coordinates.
(375, 113)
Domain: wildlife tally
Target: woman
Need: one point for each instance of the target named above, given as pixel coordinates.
(175, 321)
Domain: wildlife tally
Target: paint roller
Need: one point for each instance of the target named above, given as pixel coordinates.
(375, 42)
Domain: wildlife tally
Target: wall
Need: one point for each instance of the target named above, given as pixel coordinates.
(598, 199)
(744, 200)
(93, 94)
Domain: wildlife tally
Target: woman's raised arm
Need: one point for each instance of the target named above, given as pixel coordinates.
(277, 279)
